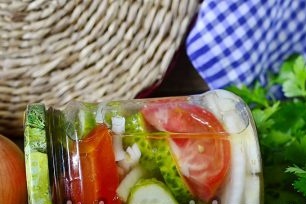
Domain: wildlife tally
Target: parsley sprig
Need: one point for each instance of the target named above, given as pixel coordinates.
(281, 127)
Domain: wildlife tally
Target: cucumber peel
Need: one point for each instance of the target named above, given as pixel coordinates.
(36, 159)
(86, 121)
(170, 172)
(38, 178)
(112, 109)
(156, 156)
(135, 124)
(129, 181)
(136, 133)
(150, 191)
(80, 119)
(34, 128)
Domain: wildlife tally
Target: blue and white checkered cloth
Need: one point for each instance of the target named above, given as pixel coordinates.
(237, 42)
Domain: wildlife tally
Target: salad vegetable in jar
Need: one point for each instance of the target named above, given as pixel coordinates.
(194, 149)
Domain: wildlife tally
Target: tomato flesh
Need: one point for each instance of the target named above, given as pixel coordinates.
(93, 172)
(199, 144)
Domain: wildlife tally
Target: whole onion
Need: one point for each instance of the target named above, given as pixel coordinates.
(13, 189)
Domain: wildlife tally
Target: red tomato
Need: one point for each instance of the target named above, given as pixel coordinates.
(93, 171)
(199, 144)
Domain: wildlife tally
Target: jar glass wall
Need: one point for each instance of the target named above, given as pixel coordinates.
(192, 149)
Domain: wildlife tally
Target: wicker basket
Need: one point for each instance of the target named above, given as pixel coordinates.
(54, 51)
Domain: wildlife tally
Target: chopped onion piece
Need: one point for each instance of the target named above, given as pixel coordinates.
(128, 182)
(131, 157)
(134, 153)
(234, 188)
(125, 164)
(228, 114)
(118, 124)
(183, 166)
(252, 189)
(252, 151)
(118, 127)
(185, 170)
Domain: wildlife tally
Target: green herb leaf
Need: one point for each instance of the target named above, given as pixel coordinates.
(262, 117)
(297, 170)
(293, 77)
(300, 183)
(257, 96)
(281, 127)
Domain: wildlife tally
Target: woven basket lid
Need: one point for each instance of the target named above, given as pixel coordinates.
(55, 51)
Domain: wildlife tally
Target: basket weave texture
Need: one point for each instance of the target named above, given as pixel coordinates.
(55, 51)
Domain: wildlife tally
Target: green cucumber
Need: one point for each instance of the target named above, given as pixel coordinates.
(81, 119)
(36, 159)
(129, 181)
(156, 156)
(170, 172)
(111, 109)
(86, 122)
(34, 128)
(150, 191)
(135, 124)
(38, 178)
(136, 133)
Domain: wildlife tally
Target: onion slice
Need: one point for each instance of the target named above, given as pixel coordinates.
(243, 182)
(118, 127)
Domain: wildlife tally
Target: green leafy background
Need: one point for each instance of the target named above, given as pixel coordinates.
(281, 126)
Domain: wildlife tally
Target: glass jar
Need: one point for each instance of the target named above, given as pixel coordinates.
(192, 149)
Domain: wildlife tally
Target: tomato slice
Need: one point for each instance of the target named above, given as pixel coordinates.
(93, 172)
(199, 144)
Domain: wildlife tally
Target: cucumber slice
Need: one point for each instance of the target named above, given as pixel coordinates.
(81, 119)
(38, 178)
(34, 128)
(111, 109)
(135, 124)
(151, 191)
(136, 133)
(156, 156)
(169, 171)
(86, 120)
(129, 181)
(36, 159)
